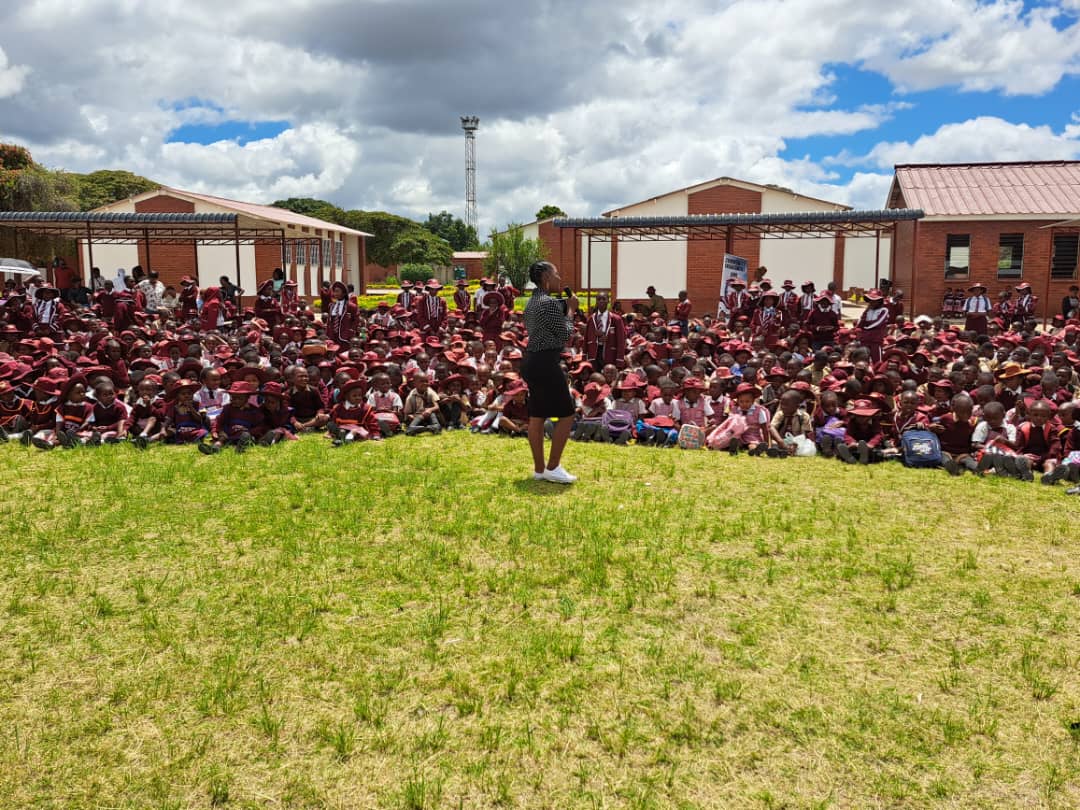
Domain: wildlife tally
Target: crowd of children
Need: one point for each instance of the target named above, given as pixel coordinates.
(1000, 399)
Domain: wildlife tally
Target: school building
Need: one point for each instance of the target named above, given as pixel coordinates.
(997, 223)
(309, 250)
(627, 268)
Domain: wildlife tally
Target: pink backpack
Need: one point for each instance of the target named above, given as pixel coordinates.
(731, 428)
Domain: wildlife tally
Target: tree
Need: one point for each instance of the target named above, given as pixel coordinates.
(453, 230)
(549, 211)
(511, 253)
(103, 187)
(310, 207)
(28, 186)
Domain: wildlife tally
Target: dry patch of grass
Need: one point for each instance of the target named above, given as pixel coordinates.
(416, 625)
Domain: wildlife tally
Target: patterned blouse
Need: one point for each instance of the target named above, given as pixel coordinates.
(546, 322)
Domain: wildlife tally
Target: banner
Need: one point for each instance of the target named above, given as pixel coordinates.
(734, 267)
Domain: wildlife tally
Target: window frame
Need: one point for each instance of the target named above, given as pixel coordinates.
(1013, 272)
(1055, 275)
(948, 255)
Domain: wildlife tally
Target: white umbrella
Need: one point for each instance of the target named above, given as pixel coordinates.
(18, 267)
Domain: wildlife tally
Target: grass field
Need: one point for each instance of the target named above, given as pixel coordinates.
(416, 625)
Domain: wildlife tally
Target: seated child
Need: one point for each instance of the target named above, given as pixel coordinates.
(1037, 442)
(146, 415)
(906, 417)
(277, 419)
(110, 415)
(74, 418)
(756, 438)
(308, 410)
(661, 425)
(591, 410)
(352, 419)
(454, 405)
(421, 412)
(183, 422)
(863, 434)
(386, 403)
(513, 418)
(14, 411)
(954, 431)
(828, 420)
(240, 422)
(1069, 439)
(994, 441)
(211, 397)
(789, 422)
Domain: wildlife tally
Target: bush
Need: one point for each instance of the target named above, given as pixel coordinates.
(415, 272)
(390, 281)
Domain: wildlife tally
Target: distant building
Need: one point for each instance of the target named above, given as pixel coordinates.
(996, 223)
(308, 250)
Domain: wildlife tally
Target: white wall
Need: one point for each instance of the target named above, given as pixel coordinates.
(216, 261)
(601, 264)
(352, 260)
(799, 259)
(109, 258)
(660, 264)
(859, 261)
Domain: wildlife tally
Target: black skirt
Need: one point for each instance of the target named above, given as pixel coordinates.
(549, 391)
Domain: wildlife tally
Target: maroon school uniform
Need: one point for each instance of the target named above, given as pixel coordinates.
(141, 412)
(42, 415)
(517, 411)
(13, 410)
(74, 416)
(306, 404)
(353, 418)
(955, 439)
(112, 417)
(233, 421)
(864, 430)
(1039, 444)
(899, 424)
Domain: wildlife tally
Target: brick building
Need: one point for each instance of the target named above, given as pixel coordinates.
(997, 223)
(696, 264)
(309, 250)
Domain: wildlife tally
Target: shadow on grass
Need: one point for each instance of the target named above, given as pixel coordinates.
(544, 488)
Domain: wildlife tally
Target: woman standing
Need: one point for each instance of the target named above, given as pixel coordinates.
(550, 324)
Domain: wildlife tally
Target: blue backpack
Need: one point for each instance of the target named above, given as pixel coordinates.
(921, 448)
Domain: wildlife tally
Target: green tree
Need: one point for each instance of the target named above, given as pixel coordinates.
(28, 186)
(453, 230)
(550, 211)
(511, 253)
(103, 187)
(310, 207)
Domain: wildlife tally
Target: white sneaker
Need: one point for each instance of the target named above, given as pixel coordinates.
(538, 476)
(559, 476)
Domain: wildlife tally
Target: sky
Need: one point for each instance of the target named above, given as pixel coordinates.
(586, 104)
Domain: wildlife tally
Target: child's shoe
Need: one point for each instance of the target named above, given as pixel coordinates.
(845, 454)
(1055, 475)
(1022, 464)
(864, 453)
(41, 444)
(67, 439)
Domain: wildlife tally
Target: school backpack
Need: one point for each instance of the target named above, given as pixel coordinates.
(921, 448)
(691, 437)
(618, 421)
(731, 428)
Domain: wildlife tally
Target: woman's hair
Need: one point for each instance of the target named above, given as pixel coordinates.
(537, 270)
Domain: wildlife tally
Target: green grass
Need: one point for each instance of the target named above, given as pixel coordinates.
(416, 625)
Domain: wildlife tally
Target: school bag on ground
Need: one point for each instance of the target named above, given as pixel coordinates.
(619, 424)
(691, 437)
(920, 448)
(731, 428)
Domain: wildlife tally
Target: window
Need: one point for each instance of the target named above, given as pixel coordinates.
(1010, 255)
(287, 254)
(326, 253)
(339, 253)
(300, 249)
(957, 255)
(1066, 248)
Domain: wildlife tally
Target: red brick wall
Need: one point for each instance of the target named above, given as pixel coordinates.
(170, 261)
(930, 283)
(705, 258)
(560, 248)
(474, 268)
(901, 252)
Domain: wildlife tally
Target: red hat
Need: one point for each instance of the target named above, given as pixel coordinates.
(874, 295)
(273, 389)
(406, 285)
(514, 388)
(737, 282)
(513, 354)
(47, 386)
(351, 385)
(1023, 285)
(747, 388)
(187, 280)
(45, 288)
(461, 283)
(383, 305)
(977, 285)
(453, 378)
(630, 383)
(242, 388)
(181, 385)
(723, 373)
(775, 371)
(788, 284)
(808, 284)
(594, 392)
(693, 384)
(433, 284)
(660, 421)
(864, 407)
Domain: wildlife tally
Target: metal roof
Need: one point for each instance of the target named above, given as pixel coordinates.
(811, 224)
(1043, 188)
(122, 219)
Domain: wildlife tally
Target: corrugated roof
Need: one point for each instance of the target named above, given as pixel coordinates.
(1045, 188)
(267, 212)
(716, 181)
(779, 219)
(117, 219)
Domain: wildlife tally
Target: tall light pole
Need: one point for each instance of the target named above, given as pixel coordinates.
(470, 123)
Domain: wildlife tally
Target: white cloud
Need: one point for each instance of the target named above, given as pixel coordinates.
(11, 76)
(590, 116)
(979, 139)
